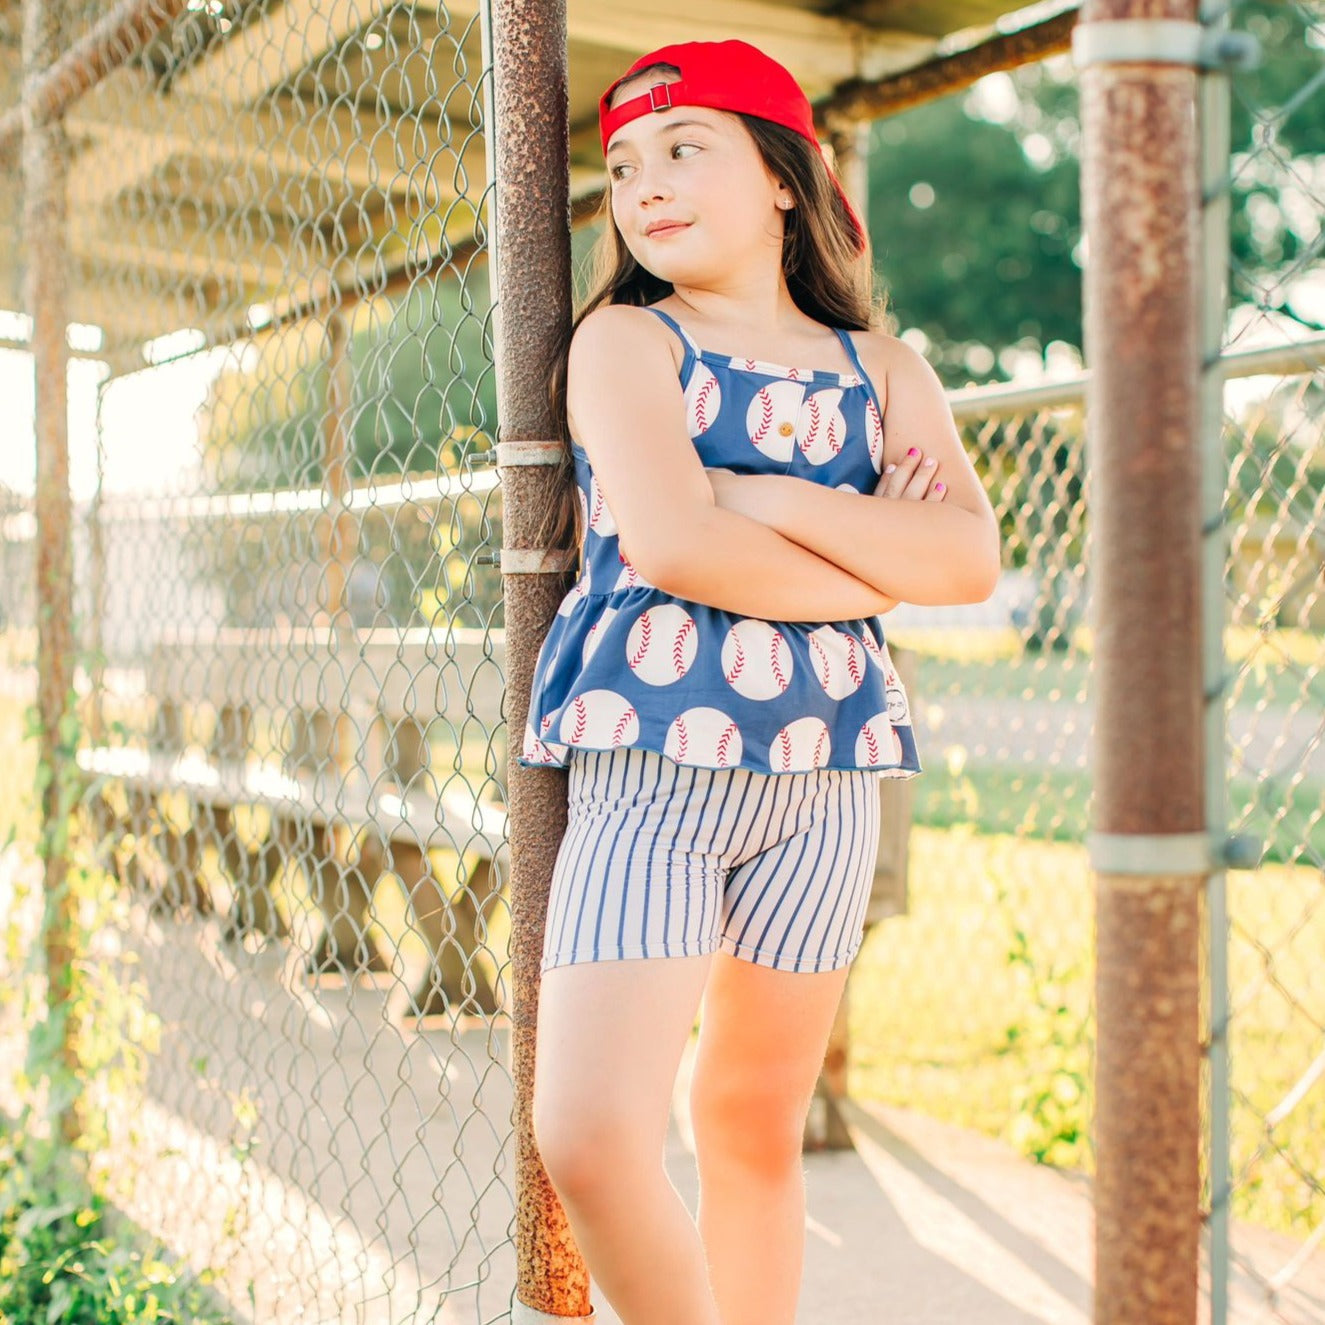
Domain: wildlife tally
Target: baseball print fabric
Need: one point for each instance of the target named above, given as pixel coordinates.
(625, 665)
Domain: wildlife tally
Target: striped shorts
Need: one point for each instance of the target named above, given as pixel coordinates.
(665, 860)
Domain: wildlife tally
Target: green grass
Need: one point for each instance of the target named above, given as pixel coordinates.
(1289, 820)
(934, 994)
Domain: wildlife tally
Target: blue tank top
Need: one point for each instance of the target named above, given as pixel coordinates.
(624, 664)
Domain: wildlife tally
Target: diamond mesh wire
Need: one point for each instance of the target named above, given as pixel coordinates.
(1275, 504)
(284, 530)
(283, 540)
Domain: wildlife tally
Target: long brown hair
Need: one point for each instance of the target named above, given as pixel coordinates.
(829, 280)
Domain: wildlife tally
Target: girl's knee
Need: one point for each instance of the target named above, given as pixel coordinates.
(583, 1141)
(756, 1126)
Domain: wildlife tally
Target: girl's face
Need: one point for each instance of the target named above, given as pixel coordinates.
(691, 195)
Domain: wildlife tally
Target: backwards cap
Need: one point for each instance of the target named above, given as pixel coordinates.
(721, 75)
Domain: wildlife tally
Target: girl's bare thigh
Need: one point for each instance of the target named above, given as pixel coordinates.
(610, 1039)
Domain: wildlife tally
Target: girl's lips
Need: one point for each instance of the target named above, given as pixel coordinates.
(667, 229)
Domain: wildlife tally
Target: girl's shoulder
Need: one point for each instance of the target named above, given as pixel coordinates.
(890, 361)
(624, 338)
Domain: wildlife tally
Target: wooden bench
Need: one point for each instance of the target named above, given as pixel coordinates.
(329, 746)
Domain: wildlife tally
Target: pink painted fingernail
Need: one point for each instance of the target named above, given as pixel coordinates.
(914, 451)
(938, 487)
(888, 469)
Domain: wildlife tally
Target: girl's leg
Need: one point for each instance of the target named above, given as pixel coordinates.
(610, 1039)
(761, 1046)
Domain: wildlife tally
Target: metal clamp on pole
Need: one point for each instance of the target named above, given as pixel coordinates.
(537, 560)
(1170, 853)
(510, 455)
(1162, 41)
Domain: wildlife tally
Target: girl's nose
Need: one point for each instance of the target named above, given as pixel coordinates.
(653, 183)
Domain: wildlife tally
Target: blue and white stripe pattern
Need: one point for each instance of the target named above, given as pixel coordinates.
(664, 860)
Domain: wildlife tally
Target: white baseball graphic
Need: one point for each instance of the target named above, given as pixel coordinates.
(600, 517)
(662, 644)
(874, 434)
(839, 661)
(594, 637)
(574, 594)
(704, 736)
(821, 430)
(756, 660)
(584, 508)
(629, 578)
(534, 749)
(878, 653)
(799, 746)
(703, 400)
(600, 718)
(878, 743)
(771, 419)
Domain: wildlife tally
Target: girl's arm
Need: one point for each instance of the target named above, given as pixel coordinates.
(917, 551)
(627, 410)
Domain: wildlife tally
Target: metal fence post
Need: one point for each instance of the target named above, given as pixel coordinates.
(45, 168)
(1149, 848)
(530, 149)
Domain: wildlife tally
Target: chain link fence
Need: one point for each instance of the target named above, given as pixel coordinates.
(291, 634)
(1275, 507)
(289, 622)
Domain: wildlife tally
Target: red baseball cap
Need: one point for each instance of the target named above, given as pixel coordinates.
(722, 75)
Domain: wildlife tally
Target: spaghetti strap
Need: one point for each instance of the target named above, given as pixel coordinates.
(692, 350)
(845, 337)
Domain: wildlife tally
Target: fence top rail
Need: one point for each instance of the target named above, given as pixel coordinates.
(1290, 359)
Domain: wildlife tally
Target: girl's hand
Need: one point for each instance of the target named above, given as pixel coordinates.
(913, 476)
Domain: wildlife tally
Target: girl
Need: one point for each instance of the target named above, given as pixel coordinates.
(759, 476)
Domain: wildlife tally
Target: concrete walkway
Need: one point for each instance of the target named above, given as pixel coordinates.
(926, 1224)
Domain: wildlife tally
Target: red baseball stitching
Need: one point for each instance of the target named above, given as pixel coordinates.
(619, 732)
(724, 743)
(782, 680)
(738, 663)
(646, 633)
(701, 401)
(761, 430)
(812, 430)
(678, 646)
(871, 745)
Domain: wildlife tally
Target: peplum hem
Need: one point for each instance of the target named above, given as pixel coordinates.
(707, 688)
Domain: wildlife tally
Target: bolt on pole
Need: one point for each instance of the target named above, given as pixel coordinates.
(1141, 207)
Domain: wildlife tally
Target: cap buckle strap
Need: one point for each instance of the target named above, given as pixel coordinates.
(666, 103)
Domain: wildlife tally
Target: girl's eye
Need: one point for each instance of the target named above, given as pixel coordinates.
(616, 172)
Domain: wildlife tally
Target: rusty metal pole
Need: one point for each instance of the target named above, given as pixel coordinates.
(45, 157)
(529, 163)
(1150, 848)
